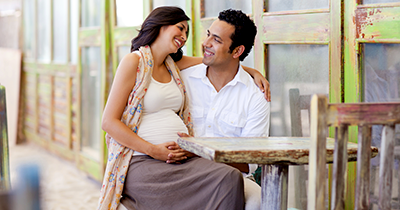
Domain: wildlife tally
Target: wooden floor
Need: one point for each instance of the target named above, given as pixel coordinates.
(63, 186)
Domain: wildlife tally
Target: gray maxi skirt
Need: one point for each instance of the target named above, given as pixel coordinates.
(196, 183)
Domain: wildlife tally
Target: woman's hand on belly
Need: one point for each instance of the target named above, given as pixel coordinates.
(161, 152)
(180, 152)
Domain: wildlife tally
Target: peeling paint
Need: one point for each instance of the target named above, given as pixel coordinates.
(377, 23)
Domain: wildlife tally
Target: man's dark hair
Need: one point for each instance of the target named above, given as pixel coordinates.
(161, 16)
(245, 30)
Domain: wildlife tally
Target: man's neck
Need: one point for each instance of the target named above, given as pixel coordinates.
(219, 77)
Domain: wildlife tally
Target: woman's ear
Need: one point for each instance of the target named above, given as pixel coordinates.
(238, 51)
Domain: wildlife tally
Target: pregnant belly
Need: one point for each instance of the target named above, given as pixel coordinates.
(161, 127)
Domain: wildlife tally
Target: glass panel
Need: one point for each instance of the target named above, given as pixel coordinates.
(249, 60)
(43, 30)
(285, 5)
(295, 68)
(378, 1)
(74, 30)
(29, 29)
(381, 72)
(178, 3)
(90, 96)
(60, 31)
(212, 7)
(91, 13)
(125, 16)
(302, 67)
(122, 51)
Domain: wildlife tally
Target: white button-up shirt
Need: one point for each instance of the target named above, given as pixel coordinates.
(239, 109)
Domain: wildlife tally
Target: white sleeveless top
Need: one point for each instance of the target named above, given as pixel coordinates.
(160, 123)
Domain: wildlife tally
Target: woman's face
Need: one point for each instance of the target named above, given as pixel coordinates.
(174, 36)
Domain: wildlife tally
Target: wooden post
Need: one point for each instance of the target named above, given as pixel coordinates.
(4, 167)
(298, 174)
(339, 181)
(274, 184)
(363, 167)
(317, 158)
(386, 167)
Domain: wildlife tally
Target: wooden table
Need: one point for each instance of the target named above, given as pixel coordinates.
(275, 154)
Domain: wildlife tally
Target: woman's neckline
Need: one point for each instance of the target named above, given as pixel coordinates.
(165, 83)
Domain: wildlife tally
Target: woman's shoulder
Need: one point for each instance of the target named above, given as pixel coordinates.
(128, 62)
(132, 58)
(135, 55)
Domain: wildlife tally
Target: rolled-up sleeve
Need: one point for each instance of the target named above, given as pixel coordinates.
(258, 119)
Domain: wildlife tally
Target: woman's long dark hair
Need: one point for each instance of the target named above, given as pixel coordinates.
(161, 16)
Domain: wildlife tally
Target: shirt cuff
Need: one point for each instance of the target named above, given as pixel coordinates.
(252, 168)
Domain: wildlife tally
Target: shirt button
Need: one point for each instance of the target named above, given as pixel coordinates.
(209, 126)
(213, 109)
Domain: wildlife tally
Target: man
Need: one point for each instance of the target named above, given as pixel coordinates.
(224, 101)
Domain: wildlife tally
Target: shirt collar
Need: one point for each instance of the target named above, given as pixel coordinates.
(240, 77)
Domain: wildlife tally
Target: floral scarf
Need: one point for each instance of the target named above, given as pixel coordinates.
(119, 156)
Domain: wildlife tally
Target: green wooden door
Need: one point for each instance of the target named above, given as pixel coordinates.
(93, 65)
(372, 69)
(298, 47)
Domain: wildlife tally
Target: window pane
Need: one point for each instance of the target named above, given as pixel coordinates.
(285, 5)
(125, 14)
(122, 51)
(74, 30)
(60, 31)
(43, 14)
(212, 7)
(381, 72)
(249, 60)
(378, 1)
(178, 3)
(29, 29)
(91, 13)
(90, 96)
(305, 67)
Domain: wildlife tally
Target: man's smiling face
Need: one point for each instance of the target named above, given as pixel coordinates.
(216, 45)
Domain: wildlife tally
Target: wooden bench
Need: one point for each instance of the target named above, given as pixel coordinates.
(341, 116)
